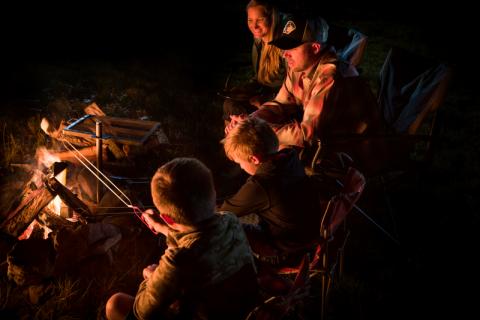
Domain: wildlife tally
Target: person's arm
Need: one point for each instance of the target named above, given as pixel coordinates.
(315, 101)
(251, 198)
(284, 95)
(155, 222)
(159, 290)
(283, 108)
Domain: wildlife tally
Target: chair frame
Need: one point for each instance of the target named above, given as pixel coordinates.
(333, 220)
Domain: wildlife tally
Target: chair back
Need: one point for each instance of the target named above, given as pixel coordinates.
(411, 87)
(349, 43)
(328, 254)
(335, 213)
(341, 204)
(411, 90)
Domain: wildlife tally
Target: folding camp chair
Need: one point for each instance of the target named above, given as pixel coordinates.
(328, 253)
(411, 90)
(349, 43)
(281, 304)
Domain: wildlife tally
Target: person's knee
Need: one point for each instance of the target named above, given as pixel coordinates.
(119, 306)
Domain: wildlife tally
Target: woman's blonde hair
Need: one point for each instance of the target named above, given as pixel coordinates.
(270, 66)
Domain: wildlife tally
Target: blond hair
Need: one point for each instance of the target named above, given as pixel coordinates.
(270, 65)
(184, 188)
(251, 136)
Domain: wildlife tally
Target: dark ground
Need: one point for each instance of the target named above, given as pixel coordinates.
(137, 60)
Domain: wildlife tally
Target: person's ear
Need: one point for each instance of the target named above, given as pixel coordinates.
(254, 159)
(316, 47)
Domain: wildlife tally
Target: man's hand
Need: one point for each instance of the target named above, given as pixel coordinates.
(256, 101)
(234, 120)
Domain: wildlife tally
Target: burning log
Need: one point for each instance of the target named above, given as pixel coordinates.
(35, 200)
(69, 198)
(18, 220)
(53, 221)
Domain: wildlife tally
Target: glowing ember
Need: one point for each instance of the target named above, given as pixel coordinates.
(35, 225)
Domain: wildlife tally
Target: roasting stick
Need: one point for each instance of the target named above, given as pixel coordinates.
(106, 182)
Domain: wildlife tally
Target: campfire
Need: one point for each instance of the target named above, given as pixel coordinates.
(57, 219)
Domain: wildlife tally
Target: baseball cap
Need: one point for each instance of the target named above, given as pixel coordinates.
(299, 29)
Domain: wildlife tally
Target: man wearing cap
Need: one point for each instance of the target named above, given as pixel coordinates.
(320, 96)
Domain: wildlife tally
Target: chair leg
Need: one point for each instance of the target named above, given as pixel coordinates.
(341, 256)
(323, 296)
(316, 155)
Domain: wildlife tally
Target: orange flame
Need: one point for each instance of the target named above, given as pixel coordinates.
(45, 157)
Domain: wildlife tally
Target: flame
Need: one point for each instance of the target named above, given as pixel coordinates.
(45, 157)
(56, 204)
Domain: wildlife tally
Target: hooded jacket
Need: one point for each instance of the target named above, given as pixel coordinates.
(209, 271)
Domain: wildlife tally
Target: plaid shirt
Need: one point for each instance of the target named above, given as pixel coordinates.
(308, 90)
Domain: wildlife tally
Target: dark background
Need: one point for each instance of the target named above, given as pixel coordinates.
(199, 40)
(203, 34)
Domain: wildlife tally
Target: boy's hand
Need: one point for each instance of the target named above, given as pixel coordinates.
(155, 222)
(148, 270)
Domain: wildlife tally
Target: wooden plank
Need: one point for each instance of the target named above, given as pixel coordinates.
(126, 132)
(135, 123)
(122, 130)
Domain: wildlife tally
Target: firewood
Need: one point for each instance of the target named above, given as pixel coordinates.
(68, 197)
(19, 219)
(94, 109)
(53, 221)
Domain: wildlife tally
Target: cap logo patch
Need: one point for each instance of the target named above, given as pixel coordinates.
(289, 27)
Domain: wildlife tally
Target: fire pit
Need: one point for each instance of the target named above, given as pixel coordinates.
(56, 220)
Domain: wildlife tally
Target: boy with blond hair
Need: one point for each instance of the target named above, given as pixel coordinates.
(207, 270)
(278, 191)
